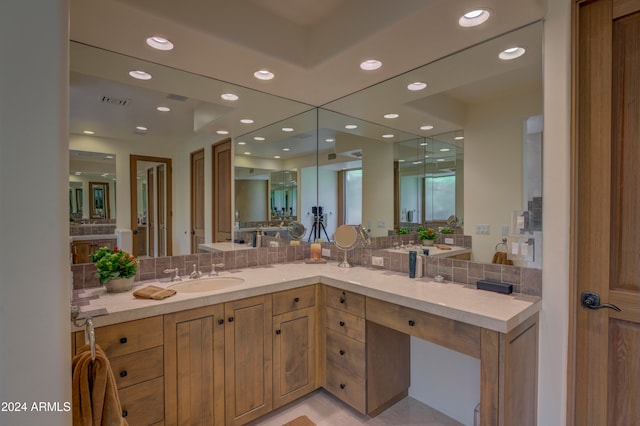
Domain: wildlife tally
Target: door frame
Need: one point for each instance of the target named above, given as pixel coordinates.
(133, 194)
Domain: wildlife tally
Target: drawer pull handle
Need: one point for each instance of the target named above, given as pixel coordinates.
(341, 323)
(342, 299)
(230, 319)
(341, 352)
(342, 386)
(123, 373)
(297, 299)
(220, 321)
(125, 413)
(123, 340)
(412, 323)
(278, 331)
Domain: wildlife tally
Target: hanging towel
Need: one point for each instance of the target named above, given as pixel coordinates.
(500, 258)
(95, 396)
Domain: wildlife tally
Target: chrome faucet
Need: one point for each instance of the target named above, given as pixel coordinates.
(195, 273)
(214, 268)
(175, 277)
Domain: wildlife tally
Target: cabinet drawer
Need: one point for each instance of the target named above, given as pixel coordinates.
(446, 332)
(347, 353)
(346, 324)
(128, 337)
(143, 404)
(345, 301)
(349, 388)
(291, 300)
(137, 367)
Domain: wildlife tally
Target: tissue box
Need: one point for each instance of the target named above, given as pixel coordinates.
(495, 286)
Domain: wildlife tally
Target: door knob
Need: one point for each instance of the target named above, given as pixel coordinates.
(592, 301)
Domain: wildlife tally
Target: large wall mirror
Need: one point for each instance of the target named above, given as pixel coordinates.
(92, 187)
(467, 127)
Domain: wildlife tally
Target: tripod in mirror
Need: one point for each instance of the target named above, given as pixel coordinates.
(318, 225)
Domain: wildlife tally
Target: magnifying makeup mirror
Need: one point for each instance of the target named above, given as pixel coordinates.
(345, 238)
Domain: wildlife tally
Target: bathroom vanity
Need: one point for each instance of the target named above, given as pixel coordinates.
(294, 328)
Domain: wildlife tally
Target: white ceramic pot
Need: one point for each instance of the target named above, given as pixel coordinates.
(118, 285)
(426, 242)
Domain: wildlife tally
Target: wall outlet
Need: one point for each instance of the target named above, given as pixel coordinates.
(377, 261)
(448, 241)
(326, 252)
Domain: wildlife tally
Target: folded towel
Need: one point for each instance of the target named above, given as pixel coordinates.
(153, 292)
(443, 247)
(95, 399)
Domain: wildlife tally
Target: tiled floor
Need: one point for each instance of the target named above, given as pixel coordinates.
(325, 410)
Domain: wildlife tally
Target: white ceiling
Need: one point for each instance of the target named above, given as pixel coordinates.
(314, 47)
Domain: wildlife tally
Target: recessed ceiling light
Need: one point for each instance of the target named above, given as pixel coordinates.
(78, 173)
(88, 132)
(388, 136)
(246, 121)
(392, 115)
(351, 126)
(263, 75)
(109, 157)
(400, 161)
(229, 97)
(222, 132)
(258, 138)
(286, 149)
(276, 156)
(445, 149)
(417, 162)
(159, 43)
(330, 140)
(141, 128)
(440, 159)
(140, 75)
(242, 143)
(511, 53)
(474, 18)
(424, 144)
(247, 153)
(163, 108)
(287, 129)
(426, 156)
(427, 127)
(416, 85)
(370, 64)
(458, 138)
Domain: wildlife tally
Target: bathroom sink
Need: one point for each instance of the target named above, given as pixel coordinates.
(206, 284)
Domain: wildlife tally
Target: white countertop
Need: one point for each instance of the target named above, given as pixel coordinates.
(498, 312)
(227, 246)
(434, 251)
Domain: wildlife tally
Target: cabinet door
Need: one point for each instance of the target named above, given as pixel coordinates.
(248, 359)
(194, 366)
(294, 355)
(80, 251)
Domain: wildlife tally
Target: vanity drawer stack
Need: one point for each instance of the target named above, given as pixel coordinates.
(135, 352)
(346, 347)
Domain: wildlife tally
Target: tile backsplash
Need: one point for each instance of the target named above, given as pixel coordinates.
(525, 280)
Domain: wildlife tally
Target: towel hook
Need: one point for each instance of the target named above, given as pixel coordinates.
(502, 243)
(89, 335)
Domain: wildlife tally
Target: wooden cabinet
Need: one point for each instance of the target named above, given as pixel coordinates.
(369, 381)
(248, 359)
(135, 352)
(194, 366)
(81, 249)
(294, 344)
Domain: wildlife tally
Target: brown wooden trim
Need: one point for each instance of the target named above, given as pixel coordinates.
(625, 7)
(342, 202)
(396, 194)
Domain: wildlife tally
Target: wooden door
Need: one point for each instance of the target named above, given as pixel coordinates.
(248, 362)
(221, 177)
(161, 209)
(294, 355)
(606, 190)
(197, 200)
(194, 367)
(151, 213)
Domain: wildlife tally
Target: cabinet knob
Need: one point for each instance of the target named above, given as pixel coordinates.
(230, 319)
(342, 386)
(297, 299)
(123, 340)
(125, 413)
(220, 321)
(341, 323)
(123, 373)
(412, 323)
(341, 352)
(278, 331)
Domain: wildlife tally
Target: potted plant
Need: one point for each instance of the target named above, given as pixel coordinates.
(446, 231)
(402, 231)
(116, 268)
(427, 235)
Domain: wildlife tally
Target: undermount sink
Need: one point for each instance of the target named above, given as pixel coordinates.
(206, 284)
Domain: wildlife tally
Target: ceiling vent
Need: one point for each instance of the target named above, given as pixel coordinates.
(175, 97)
(115, 101)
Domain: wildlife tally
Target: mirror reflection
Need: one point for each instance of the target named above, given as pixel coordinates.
(92, 187)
